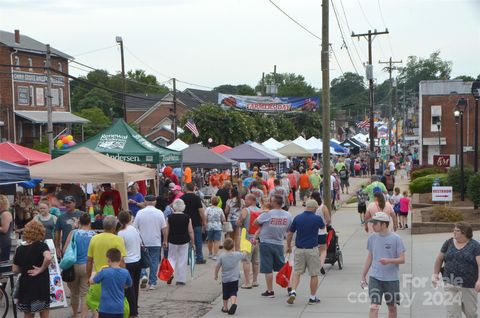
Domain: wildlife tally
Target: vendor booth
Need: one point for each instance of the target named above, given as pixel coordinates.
(122, 142)
(197, 156)
(84, 165)
(21, 155)
(11, 173)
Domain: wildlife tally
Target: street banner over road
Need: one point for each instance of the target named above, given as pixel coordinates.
(269, 103)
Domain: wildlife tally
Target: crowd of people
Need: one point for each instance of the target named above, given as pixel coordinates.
(111, 244)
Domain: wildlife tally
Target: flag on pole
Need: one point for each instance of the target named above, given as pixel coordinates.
(364, 124)
(193, 128)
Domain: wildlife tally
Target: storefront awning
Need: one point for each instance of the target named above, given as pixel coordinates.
(40, 117)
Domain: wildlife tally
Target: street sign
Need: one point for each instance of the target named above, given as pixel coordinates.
(442, 194)
(383, 151)
(383, 141)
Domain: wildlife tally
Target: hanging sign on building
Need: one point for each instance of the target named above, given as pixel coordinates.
(442, 161)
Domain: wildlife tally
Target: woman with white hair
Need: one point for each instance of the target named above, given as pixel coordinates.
(179, 235)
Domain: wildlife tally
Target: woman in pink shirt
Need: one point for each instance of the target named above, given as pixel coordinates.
(380, 205)
(405, 205)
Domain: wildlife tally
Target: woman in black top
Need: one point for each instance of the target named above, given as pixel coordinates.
(32, 260)
(179, 235)
(461, 256)
(6, 228)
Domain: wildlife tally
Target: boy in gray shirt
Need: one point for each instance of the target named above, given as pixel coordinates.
(386, 252)
(229, 262)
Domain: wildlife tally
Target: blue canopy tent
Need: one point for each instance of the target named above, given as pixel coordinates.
(12, 173)
(336, 146)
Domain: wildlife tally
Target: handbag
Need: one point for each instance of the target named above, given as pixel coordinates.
(284, 274)
(68, 275)
(145, 259)
(70, 256)
(227, 227)
(165, 271)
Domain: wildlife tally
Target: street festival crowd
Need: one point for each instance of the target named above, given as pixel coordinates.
(108, 255)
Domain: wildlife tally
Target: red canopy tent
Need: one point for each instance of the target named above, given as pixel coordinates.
(220, 149)
(22, 155)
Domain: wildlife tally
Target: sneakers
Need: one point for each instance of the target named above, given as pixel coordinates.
(202, 261)
(143, 282)
(214, 258)
(169, 281)
(152, 287)
(180, 283)
(232, 309)
(313, 301)
(270, 294)
(322, 271)
(291, 298)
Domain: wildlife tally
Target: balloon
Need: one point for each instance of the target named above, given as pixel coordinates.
(59, 144)
(70, 138)
(71, 143)
(65, 140)
(61, 137)
(65, 146)
(210, 140)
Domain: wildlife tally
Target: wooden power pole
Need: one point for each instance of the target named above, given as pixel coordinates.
(370, 36)
(174, 109)
(326, 105)
(48, 64)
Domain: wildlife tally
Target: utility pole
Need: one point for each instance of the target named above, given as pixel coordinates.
(48, 64)
(120, 41)
(327, 200)
(174, 109)
(390, 69)
(370, 36)
(263, 84)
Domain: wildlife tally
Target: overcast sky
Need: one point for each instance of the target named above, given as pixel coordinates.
(214, 42)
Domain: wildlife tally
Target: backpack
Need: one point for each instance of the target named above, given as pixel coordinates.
(343, 174)
(254, 213)
(377, 189)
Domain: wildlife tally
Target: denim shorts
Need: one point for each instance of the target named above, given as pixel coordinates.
(377, 289)
(271, 258)
(214, 235)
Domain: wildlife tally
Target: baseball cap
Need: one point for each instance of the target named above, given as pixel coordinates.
(150, 198)
(171, 185)
(312, 205)
(69, 198)
(380, 217)
(177, 187)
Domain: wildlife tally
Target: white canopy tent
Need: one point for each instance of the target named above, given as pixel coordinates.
(178, 145)
(272, 144)
(294, 150)
(315, 145)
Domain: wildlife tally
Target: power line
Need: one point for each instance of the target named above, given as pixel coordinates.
(343, 38)
(384, 24)
(295, 21)
(364, 14)
(350, 32)
(193, 84)
(96, 50)
(336, 59)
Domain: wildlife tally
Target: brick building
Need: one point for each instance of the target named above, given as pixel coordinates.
(153, 113)
(437, 102)
(23, 112)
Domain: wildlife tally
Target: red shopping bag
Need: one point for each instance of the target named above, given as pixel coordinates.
(165, 271)
(290, 197)
(283, 275)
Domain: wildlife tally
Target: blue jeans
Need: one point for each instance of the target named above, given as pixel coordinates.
(154, 252)
(197, 231)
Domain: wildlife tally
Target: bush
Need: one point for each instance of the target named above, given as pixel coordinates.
(352, 200)
(473, 188)
(426, 170)
(454, 177)
(446, 214)
(424, 184)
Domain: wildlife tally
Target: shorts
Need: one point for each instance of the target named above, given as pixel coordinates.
(271, 258)
(254, 256)
(304, 193)
(362, 208)
(403, 213)
(322, 239)
(344, 183)
(229, 289)
(378, 289)
(307, 258)
(214, 235)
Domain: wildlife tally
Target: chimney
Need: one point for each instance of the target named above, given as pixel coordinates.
(17, 36)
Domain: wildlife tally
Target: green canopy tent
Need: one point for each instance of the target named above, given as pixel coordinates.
(122, 142)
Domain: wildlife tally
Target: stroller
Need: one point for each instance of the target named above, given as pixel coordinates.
(334, 254)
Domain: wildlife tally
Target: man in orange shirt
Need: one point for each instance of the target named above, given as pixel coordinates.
(305, 187)
(187, 175)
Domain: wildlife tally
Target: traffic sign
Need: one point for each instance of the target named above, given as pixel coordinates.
(442, 194)
(383, 141)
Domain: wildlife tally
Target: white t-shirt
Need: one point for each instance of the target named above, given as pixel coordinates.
(132, 243)
(391, 166)
(319, 212)
(150, 222)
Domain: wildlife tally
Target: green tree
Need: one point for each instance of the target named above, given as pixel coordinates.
(98, 98)
(98, 122)
(265, 126)
(289, 84)
(348, 92)
(465, 78)
(285, 127)
(242, 89)
(422, 69)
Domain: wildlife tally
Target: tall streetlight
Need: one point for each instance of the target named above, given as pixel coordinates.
(439, 144)
(120, 41)
(456, 114)
(476, 95)
(461, 107)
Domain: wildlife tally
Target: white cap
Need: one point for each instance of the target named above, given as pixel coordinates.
(380, 217)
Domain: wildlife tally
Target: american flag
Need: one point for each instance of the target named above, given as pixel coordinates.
(193, 128)
(364, 124)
